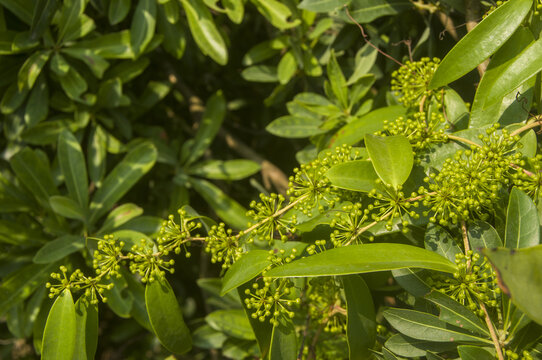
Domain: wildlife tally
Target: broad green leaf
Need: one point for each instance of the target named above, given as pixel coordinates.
(119, 216)
(260, 73)
(482, 235)
(96, 154)
(215, 111)
(225, 170)
(37, 106)
(59, 249)
(483, 41)
(117, 11)
(365, 11)
(357, 175)
(86, 324)
(283, 340)
(60, 329)
(137, 290)
(121, 179)
(20, 8)
(12, 99)
(59, 65)
(337, 81)
(73, 84)
(360, 318)
(45, 133)
(205, 337)
(265, 50)
(246, 268)
(72, 163)
(143, 25)
(276, 12)
(31, 69)
(166, 317)
(35, 175)
(287, 67)
(225, 207)
(232, 322)
(456, 314)
(522, 226)
(520, 277)
(20, 284)
(409, 347)
(437, 239)
(365, 59)
(355, 131)
(470, 352)
(109, 46)
(127, 70)
(523, 67)
(294, 127)
(456, 110)
(412, 280)
(110, 93)
(204, 31)
(12, 198)
(392, 158)
(322, 5)
(67, 207)
(356, 259)
(235, 9)
(424, 326)
(83, 26)
(96, 63)
(174, 34)
(69, 16)
(19, 233)
(509, 110)
(119, 298)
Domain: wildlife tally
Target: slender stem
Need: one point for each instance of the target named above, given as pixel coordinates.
(536, 121)
(465, 240)
(463, 140)
(492, 332)
(366, 38)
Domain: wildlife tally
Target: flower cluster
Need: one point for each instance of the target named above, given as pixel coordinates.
(411, 81)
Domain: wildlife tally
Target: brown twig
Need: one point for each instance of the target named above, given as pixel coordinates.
(532, 123)
(448, 24)
(492, 332)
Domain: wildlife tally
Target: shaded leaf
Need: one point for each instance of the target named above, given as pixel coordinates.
(60, 329)
(59, 248)
(232, 322)
(246, 268)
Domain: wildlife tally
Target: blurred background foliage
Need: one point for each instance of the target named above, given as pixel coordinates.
(116, 113)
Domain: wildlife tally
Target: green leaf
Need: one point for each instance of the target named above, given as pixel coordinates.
(283, 340)
(470, 352)
(31, 69)
(337, 81)
(260, 73)
(437, 239)
(243, 270)
(60, 329)
(119, 216)
(520, 277)
(424, 326)
(59, 249)
(355, 131)
(287, 67)
(121, 179)
(225, 207)
(86, 323)
(117, 11)
(166, 317)
(482, 235)
(215, 111)
(73, 84)
(412, 281)
(204, 31)
(360, 318)
(456, 314)
(392, 158)
(72, 163)
(143, 25)
(174, 34)
(12, 99)
(235, 9)
(357, 175)
(322, 5)
(65, 206)
(522, 225)
(35, 175)
(205, 337)
(276, 12)
(20, 284)
(225, 170)
(71, 11)
(294, 127)
(109, 46)
(96, 154)
(409, 347)
(110, 93)
(59, 65)
(523, 67)
(20, 8)
(232, 323)
(37, 106)
(96, 63)
(365, 11)
(356, 259)
(483, 41)
(365, 59)
(265, 50)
